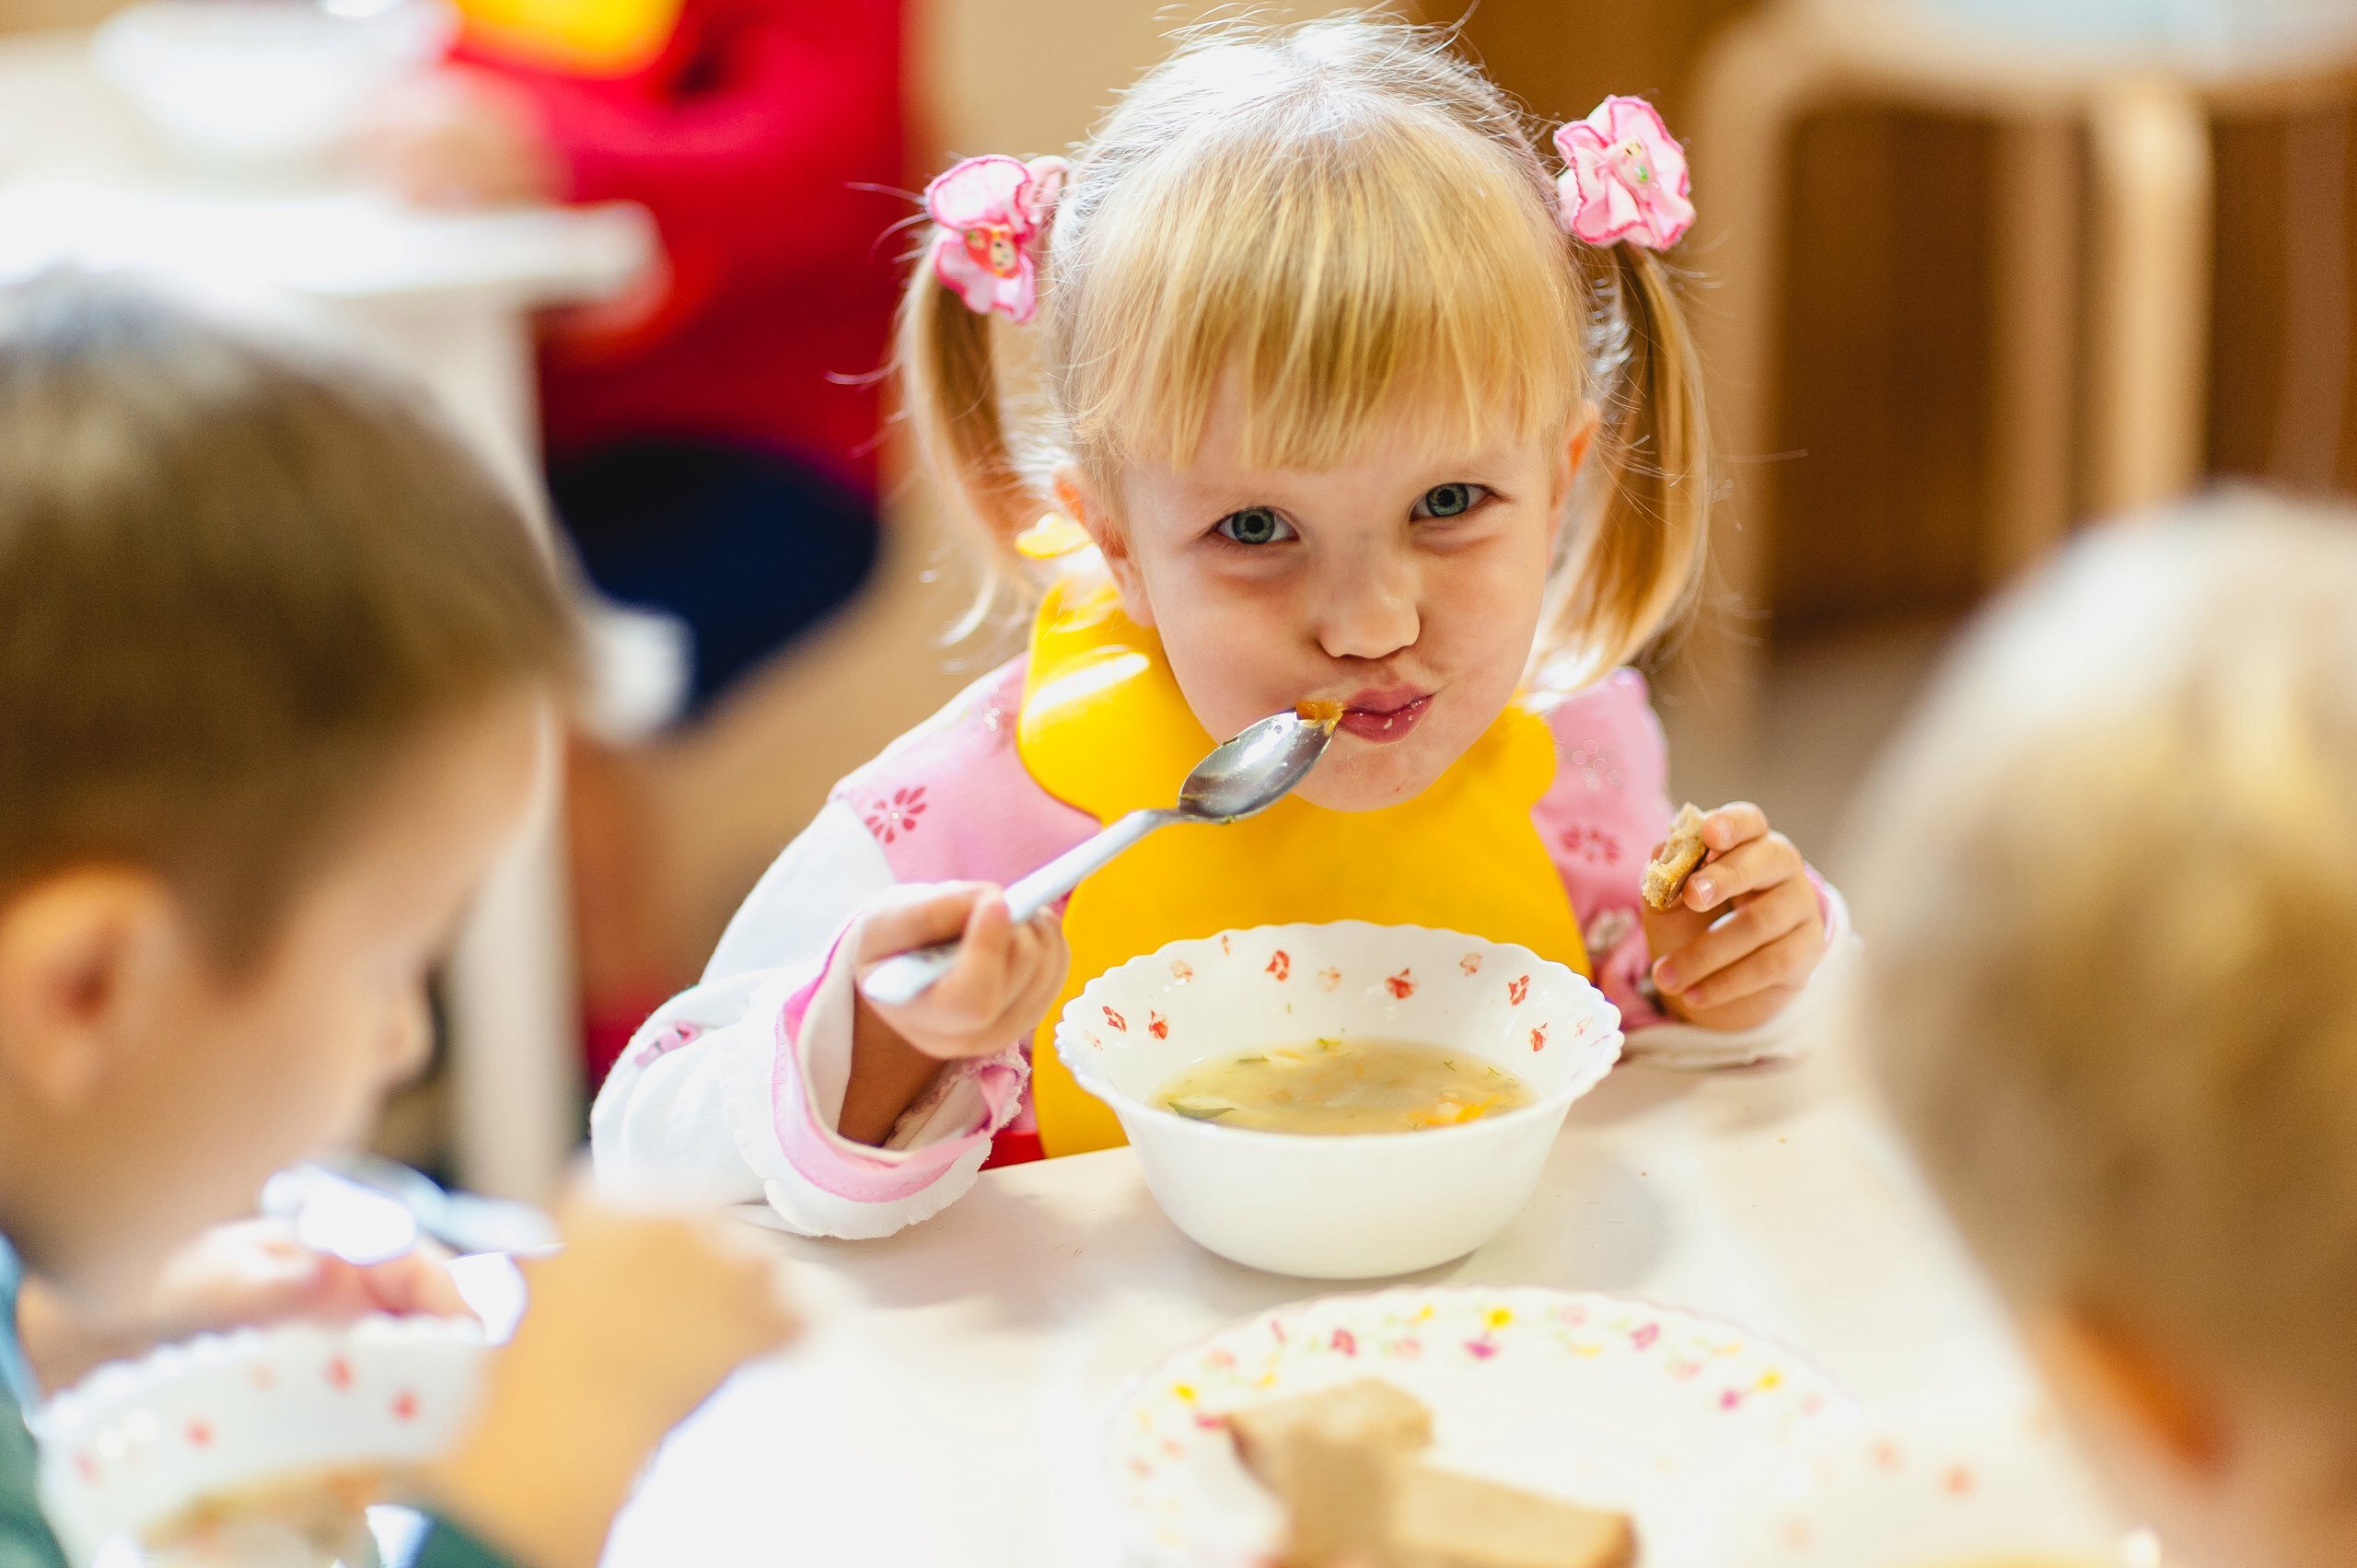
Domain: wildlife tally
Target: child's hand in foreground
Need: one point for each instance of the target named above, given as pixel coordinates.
(1747, 932)
(631, 1326)
(252, 1273)
(1005, 980)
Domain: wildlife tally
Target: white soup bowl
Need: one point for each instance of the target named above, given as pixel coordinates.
(1353, 1205)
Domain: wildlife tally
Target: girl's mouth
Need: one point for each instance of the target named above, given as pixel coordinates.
(1383, 716)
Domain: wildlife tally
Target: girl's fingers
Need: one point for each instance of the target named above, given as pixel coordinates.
(976, 986)
(418, 1282)
(1752, 927)
(1781, 964)
(1051, 955)
(1733, 824)
(916, 917)
(1755, 865)
(1039, 979)
(1018, 972)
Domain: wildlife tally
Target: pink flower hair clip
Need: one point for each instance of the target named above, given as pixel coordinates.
(993, 212)
(1624, 178)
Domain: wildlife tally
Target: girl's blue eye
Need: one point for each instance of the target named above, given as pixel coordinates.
(1255, 525)
(1450, 500)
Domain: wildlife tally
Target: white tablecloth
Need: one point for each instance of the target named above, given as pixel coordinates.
(946, 1406)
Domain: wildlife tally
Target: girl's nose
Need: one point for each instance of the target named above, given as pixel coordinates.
(1370, 609)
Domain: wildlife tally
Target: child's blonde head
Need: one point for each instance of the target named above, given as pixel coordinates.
(1327, 221)
(2111, 906)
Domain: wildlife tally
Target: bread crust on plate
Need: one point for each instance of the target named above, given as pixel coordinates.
(1347, 1463)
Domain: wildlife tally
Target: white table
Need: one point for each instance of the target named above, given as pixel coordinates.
(447, 298)
(946, 1405)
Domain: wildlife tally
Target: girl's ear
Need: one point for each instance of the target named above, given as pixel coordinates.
(1578, 441)
(1080, 502)
(83, 957)
(1583, 432)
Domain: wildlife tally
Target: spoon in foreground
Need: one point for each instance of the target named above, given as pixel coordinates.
(1240, 778)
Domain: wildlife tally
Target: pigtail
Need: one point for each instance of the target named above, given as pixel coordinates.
(982, 257)
(1637, 553)
(1633, 563)
(950, 392)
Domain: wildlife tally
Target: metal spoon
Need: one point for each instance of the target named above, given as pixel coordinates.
(1239, 779)
(365, 1209)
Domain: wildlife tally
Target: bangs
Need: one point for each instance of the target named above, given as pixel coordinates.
(1342, 268)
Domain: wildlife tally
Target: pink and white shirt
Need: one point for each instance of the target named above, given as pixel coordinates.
(732, 1091)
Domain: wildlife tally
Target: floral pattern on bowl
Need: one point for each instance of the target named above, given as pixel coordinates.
(136, 1444)
(1369, 1203)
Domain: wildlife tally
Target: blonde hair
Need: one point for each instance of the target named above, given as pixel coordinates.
(1343, 215)
(2110, 901)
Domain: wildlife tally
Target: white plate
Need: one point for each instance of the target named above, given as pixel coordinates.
(1602, 1400)
(1936, 1488)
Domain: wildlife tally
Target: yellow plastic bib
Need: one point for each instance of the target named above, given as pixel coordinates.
(590, 38)
(1105, 729)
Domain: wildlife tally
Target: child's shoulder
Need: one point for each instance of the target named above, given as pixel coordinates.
(951, 800)
(1609, 745)
(978, 719)
(1617, 705)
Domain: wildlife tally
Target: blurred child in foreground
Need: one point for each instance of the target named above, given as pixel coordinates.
(2113, 892)
(278, 663)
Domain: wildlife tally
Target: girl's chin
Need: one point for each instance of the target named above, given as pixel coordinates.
(1363, 777)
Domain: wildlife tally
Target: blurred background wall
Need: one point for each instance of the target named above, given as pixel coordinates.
(1883, 467)
(1885, 464)
(1883, 454)
(32, 15)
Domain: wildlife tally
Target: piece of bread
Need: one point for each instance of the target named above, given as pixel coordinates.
(1345, 1463)
(1337, 1495)
(1680, 854)
(1441, 1519)
(1367, 1413)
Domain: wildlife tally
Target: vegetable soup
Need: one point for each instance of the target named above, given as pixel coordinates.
(1342, 1086)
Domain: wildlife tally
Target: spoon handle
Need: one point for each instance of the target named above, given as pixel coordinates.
(903, 978)
(1030, 895)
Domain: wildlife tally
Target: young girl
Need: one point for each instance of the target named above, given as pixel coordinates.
(1328, 408)
(2114, 894)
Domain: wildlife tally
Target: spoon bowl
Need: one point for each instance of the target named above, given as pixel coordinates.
(1245, 776)
(1242, 777)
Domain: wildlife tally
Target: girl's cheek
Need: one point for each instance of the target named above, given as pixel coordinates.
(1223, 619)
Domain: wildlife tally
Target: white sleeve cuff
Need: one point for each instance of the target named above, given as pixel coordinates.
(817, 1182)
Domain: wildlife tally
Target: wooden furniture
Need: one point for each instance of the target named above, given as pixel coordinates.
(2145, 224)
